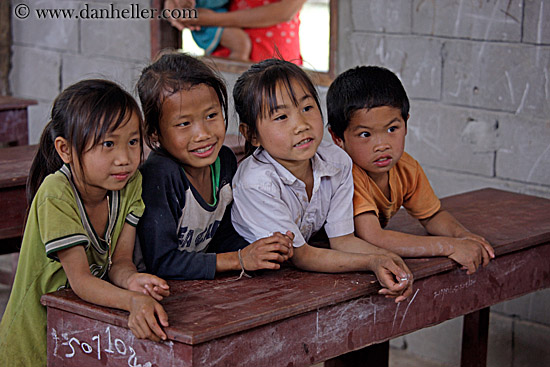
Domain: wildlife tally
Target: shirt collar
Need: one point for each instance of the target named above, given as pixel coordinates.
(321, 167)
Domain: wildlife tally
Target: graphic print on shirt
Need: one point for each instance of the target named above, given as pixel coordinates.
(197, 226)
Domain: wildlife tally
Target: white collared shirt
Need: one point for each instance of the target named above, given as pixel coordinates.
(268, 198)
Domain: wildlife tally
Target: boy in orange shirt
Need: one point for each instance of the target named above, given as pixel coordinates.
(368, 111)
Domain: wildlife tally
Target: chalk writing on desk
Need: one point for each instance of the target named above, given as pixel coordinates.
(456, 288)
(67, 345)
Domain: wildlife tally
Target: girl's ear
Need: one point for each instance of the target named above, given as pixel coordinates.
(63, 148)
(251, 138)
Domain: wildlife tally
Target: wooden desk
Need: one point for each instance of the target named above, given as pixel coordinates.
(13, 120)
(15, 163)
(295, 318)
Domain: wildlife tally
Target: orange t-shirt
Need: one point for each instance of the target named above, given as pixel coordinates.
(409, 187)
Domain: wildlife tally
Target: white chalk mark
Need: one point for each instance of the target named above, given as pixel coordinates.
(516, 266)
(539, 30)
(488, 29)
(532, 171)
(407, 309)
(510, 88)
(546, 88)
(317, 325)
(458, 88)
(395, 316)
(520, 107)
(458, 18)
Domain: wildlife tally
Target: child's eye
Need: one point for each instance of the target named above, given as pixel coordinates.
(280, 118)
(212, 115)
(308, 108)
(364, 134)
(185, 123)
(392, 129)
(108, 144)
(134, 142)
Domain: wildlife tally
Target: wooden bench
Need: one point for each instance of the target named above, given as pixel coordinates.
(295, 318)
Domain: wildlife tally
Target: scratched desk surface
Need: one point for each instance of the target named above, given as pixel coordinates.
(200, 311)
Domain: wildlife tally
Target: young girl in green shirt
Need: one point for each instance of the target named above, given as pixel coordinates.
(84, 192)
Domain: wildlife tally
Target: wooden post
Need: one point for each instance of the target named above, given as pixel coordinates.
(475, 334)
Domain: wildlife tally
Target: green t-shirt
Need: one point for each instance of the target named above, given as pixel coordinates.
(57, 220)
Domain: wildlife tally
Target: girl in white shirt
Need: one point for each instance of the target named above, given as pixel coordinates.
(291, 180)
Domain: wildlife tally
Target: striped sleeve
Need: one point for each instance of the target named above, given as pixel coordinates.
(132, 196)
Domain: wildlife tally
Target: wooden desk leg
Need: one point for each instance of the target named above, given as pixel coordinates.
(376, 355)
(475, 334)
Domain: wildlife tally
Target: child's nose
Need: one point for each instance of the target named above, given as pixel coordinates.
(122, 157)
(201, 132)
(301, 124)
(380, 144)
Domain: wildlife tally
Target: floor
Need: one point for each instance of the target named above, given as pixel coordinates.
(398, 357)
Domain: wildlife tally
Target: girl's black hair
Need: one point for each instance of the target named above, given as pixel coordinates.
(171, 73)
(82, 114)
(255, 92)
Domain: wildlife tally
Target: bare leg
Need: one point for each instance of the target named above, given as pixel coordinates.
(238, 42)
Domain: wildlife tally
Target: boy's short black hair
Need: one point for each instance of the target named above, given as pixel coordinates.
(363, 87)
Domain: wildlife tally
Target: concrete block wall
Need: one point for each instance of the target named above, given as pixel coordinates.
(50, 54)
(478, 76)
(477, 73)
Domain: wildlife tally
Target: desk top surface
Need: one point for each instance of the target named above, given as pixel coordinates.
(14, 103)
(210, 309)
(15, 163)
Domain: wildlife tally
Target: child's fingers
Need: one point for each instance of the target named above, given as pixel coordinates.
(161, 314)
(485, 256)
(471, 266)
(156, 331)
(151, 291)
(489, 249)
(162, 291)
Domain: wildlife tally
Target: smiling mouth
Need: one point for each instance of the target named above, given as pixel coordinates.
(203, 150)
(383, 159)
(303, 142)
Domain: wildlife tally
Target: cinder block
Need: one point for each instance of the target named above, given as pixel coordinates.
(499, 348)
(230, 79)
(536, 27)
(531, 343)
(524, 151)
(452, 138)
(43, 29)
(540, 304)
(517, 307)
(77, 67)
(393, 16)
(38, 116)
(35, 73)
(440, 343)
(417, 61)
(447, 183)
(496, 76)
(116, 38)
(483, 20)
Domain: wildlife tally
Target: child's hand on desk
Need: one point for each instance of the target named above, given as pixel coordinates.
(149, 284)
(142, 320)
(268, 252)
(394, 276)
(471, 252)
